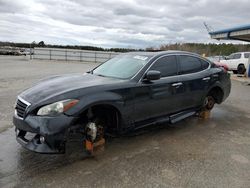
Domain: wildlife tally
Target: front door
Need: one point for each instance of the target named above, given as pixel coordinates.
(159, 97)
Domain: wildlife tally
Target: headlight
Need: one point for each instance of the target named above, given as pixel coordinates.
(57, 107)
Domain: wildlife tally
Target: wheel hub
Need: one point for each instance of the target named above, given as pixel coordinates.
(209, 103)
(91, 131)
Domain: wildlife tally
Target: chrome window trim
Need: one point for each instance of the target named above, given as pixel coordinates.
(178, 65)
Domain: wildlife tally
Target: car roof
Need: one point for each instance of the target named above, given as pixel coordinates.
(159, 53)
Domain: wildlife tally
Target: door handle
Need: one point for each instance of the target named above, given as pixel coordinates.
(177, 84)
(215, 75)
(206, 78)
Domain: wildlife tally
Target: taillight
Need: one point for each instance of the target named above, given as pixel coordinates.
(224, 67)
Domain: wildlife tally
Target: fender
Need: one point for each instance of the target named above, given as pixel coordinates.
(216, 84)
(106, 97)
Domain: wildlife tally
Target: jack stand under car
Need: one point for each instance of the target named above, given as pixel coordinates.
(207, 107)
(95, 141)
(205, 114)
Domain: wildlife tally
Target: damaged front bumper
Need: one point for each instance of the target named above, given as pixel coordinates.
(43, 134)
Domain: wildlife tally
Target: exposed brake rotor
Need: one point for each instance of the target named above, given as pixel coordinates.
(94, 136)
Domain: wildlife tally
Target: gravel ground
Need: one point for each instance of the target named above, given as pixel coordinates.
(193, 153)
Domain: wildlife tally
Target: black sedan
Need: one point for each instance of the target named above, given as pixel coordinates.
(128, 92)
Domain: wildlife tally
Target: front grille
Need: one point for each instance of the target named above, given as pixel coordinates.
(20, 108)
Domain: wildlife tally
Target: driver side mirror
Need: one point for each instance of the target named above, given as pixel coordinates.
(153, 75)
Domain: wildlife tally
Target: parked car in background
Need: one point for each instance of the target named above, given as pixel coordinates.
(126, 93)
(8, 50)
(223, 65)
(237, 62)
(217, 59)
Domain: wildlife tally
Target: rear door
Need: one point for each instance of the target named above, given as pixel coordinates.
(195, 78)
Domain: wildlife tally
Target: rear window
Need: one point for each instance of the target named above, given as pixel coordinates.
(246, 55)
(190, 64)
(204, 64)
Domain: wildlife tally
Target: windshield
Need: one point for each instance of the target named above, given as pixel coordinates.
(122, 66)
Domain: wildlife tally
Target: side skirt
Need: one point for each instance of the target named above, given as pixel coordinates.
(166, 119)
(182, 115)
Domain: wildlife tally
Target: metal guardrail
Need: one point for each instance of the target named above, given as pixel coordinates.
(72, 55)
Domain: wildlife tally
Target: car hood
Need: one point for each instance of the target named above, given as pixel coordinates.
(59, 85)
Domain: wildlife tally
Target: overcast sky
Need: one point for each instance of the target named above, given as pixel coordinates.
(117, 23)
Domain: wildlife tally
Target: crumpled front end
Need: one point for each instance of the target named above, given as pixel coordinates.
(42, 134)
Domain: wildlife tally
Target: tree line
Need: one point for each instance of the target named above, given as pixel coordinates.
(209, 49)
(41, 44)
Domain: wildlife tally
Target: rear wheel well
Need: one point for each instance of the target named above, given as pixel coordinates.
(217, 93)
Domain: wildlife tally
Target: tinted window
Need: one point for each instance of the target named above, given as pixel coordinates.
(246, 55)
(166, 65)
(189, 64)
(237, 56)
(204, 64)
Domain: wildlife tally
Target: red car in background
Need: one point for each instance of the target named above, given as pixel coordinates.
(216, 60)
